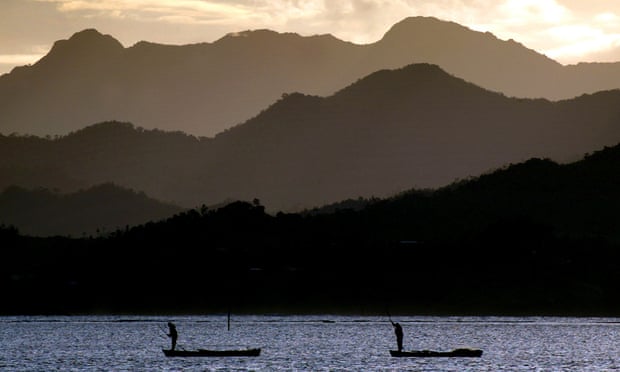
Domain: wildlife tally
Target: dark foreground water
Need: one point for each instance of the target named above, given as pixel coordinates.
(308, 343)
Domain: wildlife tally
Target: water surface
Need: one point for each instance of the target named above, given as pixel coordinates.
(308, 343)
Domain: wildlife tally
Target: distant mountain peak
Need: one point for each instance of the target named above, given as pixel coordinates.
(428, 28)
(418, 20)
(266, 36)
(248, 33)
(88, 42)
(106, 126)
(254, 35)
(91, 38)
(411, 25)
(412, 70)
(424, 78)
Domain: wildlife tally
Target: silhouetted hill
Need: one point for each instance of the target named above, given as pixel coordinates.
(100, 209)
(533, 238)
(575, 200)
(205, 88)
(393, 130)
(115, 152)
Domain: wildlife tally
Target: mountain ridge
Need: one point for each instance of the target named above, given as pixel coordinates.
(417, 126)
(204, 88)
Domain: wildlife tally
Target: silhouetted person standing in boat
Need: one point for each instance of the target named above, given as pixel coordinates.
(398, 331)
(173, 334)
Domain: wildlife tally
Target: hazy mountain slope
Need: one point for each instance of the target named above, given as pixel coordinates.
(102, 208)
(395, 129)
(416, 126)
(147, 160)
(481, 58)
(504, 66)
(200, 89)
(205, 88)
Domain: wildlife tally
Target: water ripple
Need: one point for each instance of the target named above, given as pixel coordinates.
(308, 343)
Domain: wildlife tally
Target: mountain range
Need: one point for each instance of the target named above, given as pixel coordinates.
(205, 88)
(417, 126)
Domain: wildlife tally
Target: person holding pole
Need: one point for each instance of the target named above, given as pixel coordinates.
(398, 331)
(172, 334)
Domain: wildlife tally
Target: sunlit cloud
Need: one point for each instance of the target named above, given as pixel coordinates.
(607, 18)
(177, 11)
(581, 40)
(19, 59)
(526, 12)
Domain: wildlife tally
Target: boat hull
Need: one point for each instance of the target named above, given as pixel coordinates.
(212, 353)
(457, 353)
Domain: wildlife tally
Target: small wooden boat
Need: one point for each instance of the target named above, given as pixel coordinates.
(212, 353)
(456, 353)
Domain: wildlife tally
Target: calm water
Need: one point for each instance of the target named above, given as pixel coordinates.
(308, 343)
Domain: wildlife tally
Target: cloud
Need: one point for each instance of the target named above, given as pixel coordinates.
(175, 11)
(19, 59)
(581, 42)
(9, 61)
(360, 21)
(527, 12)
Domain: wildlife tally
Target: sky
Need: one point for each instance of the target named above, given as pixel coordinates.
(569, 31)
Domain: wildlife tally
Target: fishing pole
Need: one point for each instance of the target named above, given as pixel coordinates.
(228, 317)
(387, 310)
